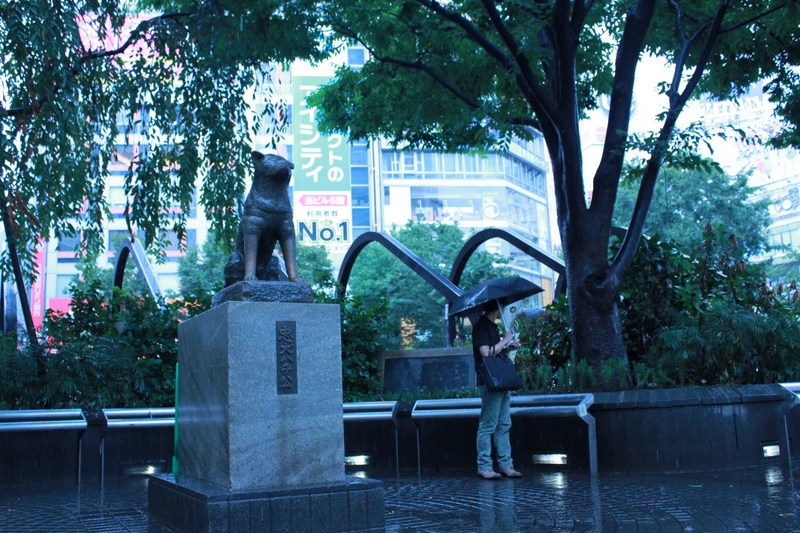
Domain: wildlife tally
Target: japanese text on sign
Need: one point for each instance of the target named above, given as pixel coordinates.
(322, 162)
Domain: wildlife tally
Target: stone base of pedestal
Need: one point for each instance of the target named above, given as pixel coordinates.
(260, 396)
(265, 291)
(191, 506)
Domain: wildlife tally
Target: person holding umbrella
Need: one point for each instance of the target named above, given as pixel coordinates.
(495, 419)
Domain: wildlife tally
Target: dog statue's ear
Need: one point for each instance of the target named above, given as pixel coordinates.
(257, 156)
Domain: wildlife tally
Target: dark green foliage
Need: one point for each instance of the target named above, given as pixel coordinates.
(546, 344)
(685, 201)
(701, 317)
(653, 294)
(363, 326)
(413, 303)
(20, 387)
(466, 75)
(78, 75)
(315, 267)
(107, 352)
(731, 326)
(201, 275)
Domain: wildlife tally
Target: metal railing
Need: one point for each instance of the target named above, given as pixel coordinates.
(531, 405)
(121, 418)
(47, 420)
(371, 411)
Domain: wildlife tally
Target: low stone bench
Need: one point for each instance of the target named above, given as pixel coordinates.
(382, 411)
(46, 420)
(129, 418)
(561, 405)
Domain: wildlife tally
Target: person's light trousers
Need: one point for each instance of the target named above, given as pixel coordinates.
(494, 426)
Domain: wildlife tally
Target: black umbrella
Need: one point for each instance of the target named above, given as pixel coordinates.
(504, 290)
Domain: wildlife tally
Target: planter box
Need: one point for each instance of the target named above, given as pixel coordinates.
(693, 429)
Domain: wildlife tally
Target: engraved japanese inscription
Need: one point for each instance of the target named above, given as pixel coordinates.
(286, 340)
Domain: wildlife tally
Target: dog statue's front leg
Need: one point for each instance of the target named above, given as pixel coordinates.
(250, 255)
(289, 249)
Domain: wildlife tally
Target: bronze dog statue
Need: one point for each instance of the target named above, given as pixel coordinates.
(267, 220)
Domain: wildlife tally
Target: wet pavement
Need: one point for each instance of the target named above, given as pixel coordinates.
(753, 500)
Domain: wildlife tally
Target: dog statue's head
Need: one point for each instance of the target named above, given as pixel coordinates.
(270, 165)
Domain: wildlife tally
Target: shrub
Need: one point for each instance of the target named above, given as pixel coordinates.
(705, 316)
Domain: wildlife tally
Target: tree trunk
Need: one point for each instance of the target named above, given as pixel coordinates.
(593, 303)
(22, 291)
(596, 329)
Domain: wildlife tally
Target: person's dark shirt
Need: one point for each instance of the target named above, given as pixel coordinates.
(484, 333)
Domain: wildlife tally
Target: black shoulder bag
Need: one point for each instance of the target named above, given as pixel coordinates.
(499, 373)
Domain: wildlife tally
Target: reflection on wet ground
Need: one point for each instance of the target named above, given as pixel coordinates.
(752, 500)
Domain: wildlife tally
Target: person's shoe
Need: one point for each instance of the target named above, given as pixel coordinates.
(510, 472)
(489, 474)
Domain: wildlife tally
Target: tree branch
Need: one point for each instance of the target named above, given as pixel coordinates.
(630, 48)
(677, 100)
(753, 19)
(414, 65)
(470, 29)
(32, 108)
(562, 37)
(705, 53)
(526, 79)
(533, 94)
(579, 11)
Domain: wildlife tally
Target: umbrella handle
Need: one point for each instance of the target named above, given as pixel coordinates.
(505, 325)
(502, 316)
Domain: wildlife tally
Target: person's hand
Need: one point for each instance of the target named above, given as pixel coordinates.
(510, 340)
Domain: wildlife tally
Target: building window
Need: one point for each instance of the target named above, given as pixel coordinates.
(356, 56)
(359, 155)
(411, 164)
(359, 175)
(360, 196)
(172, 244)
(451, 163)
(391, 164)
(63, 282)
(69, 243)
(117, 198)
(361, 217)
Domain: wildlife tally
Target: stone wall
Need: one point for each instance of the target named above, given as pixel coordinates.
(437, 369)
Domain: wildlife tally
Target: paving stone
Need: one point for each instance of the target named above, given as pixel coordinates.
(753, 500)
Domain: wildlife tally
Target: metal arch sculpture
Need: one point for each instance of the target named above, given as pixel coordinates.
(522, 243)
(134, 248)
(409, 258)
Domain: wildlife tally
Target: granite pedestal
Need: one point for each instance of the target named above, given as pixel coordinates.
(259, 421)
